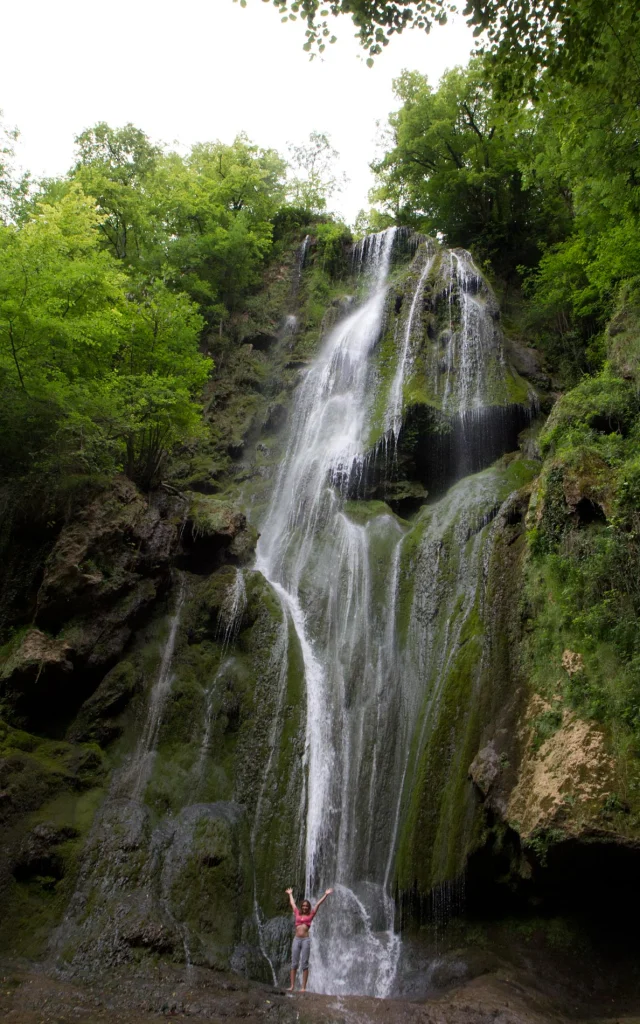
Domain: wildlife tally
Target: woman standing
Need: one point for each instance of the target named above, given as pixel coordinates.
(302, 940)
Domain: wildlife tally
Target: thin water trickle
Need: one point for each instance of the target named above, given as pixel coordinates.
(393, 417)
(231, 611)
(137, 774)
(200, 765)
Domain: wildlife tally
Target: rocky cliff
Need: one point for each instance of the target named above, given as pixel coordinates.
(153, 759)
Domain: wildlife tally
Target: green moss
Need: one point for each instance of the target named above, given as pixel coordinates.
(440, 828)
(468, 669)
(623, 331)
(57, 784)
(582, 592)
(545, 725)
(211, 517)
(603, 404)
(362, 512)
(207, 890)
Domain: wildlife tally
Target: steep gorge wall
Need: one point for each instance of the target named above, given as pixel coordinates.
(194, 866)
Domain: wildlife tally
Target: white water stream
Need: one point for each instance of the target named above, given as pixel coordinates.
(318, 562)
(338, 573)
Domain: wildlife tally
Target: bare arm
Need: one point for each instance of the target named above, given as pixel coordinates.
(289, 893)
(322, 899)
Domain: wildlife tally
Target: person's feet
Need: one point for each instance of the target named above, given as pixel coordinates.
(290, 989)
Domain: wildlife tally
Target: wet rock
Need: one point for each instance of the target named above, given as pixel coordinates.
(485, 768)
(276, 417)
(39, 856)
(116, 541)
(106, 570)
(99, 719)
(150, 935)
(527, 361)
(215, 532)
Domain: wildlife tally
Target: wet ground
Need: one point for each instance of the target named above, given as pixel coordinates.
(35, 994)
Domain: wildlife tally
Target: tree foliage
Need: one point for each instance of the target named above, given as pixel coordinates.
(111, 363)
(315, 180)
(525, 39)
(455, 166)
(110, 278)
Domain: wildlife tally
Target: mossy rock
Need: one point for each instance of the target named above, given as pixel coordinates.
(216, 531)
(623, 331)
(604, 403)
(100, 717)
(362, 512)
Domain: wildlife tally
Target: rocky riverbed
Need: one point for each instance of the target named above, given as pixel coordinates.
(35, 994)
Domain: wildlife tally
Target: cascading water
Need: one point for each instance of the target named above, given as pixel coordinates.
(319, 562)
(393, 416)
(374, 611)
(372, 683)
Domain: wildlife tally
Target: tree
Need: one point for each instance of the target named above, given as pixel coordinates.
(219, 206)
(116, 166)
(110, 364)
(317, 183)
(455, 166)
(13, 188)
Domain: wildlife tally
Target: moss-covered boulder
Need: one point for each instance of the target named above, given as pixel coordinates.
(215, 531)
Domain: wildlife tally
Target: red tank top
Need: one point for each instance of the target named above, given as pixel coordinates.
(304, 918)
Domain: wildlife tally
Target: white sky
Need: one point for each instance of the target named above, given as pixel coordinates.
(197, 71)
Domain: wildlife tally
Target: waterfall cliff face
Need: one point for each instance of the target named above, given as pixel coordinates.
(310, 720)
(380, 605)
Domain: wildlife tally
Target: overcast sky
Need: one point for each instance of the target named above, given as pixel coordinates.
(200, 70)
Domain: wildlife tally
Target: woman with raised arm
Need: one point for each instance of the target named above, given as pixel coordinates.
(302, 940)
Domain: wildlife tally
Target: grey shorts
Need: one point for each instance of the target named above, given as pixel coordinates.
(300, 953)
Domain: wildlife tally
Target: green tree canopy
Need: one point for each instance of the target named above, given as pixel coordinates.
(455, 166)
(112, 366)
(203, 222)
(315, 180)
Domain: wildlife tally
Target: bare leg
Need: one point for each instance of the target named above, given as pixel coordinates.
(305, 975)
(293, 981)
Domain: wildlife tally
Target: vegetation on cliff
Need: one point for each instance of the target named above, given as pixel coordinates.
(123, 283)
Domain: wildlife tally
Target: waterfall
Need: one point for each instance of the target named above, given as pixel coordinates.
(382, 608)
(382, 618)
(319, 562)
